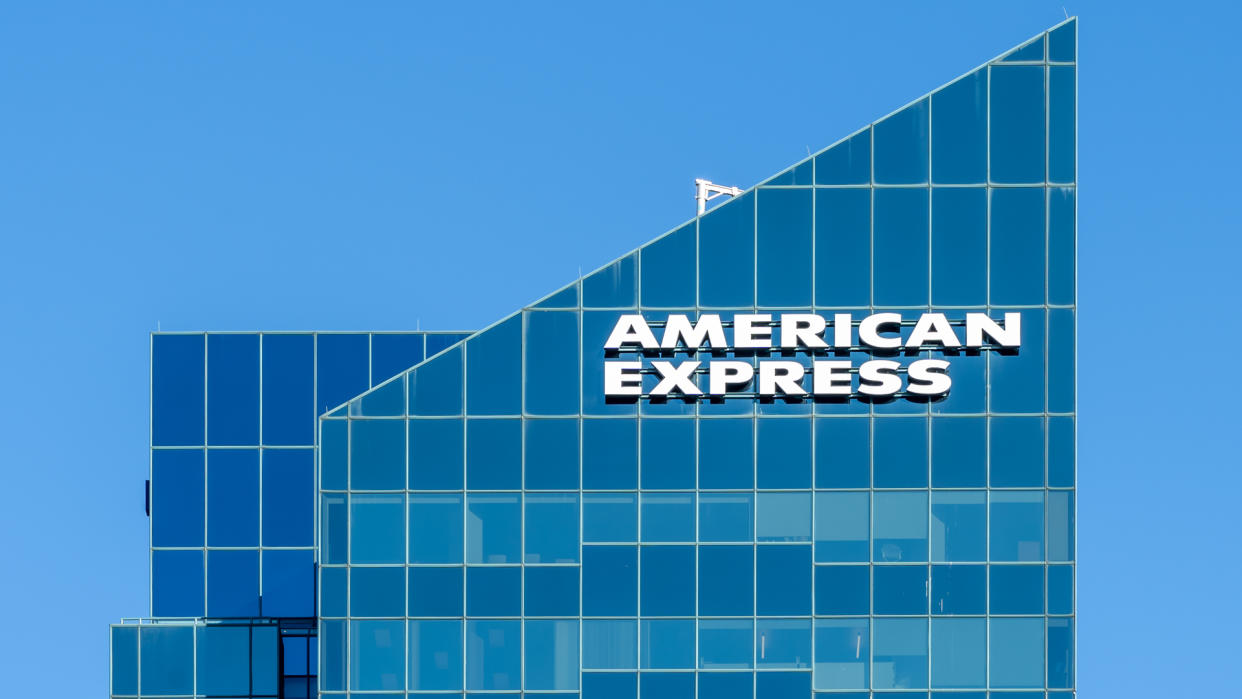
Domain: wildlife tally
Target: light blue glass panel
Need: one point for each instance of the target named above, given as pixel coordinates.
(668, 273)
(435, 655)
(1017, 525)
(1061, 123)
(551, 654)
(900, 654)
(1061, 452)
(333, 529)
(333, 454)
(167, 660)
(960, 131)
(264, 648)
(1017, 124)
(842, 654)
(333, 654)
(848, 162)
(726, 643)
(958, 653)
(901, 220)
(1061, 245)
(785, 223)
(435, 386)
(783, 517)
(727, 254)
(667, 644)
(552, 362)
(223, 660)
(124, 651)
(959, 525)
(726, 517)
(609, 644)
(612, 286)
(377, 454)
(551, 528)
(333, 595)
(1060, 525)
(1016, 659)
(493, 529)
(436, 528)
(842, 247)
(783, 643)
(668, 517)
(959, 246)
(901, 146)
(842, 526)
(900, 526)
(377, 655)
(494, 370)
(387, 400)
(1017, 246)
(1061, 653)
(377, 529)
(610, 517)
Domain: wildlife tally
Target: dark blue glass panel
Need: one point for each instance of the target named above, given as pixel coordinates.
(377, 660)
(668, 454)
(959, 589)
(727, 685)
(494, 454)
(1017, 247)
(959, 246)
(177, 385)
(958, 459)
(609, 685)
(901, 246)
(377, 454)
(668, 582)
(668, 274)
(289, 389)
(436, 459)
(959, 525)
(334, 454)
(1060, 589)
(333, 591)
(848, 162)
(177, 583)
(177, 497)
(783, 457)
(727, 517)
(796, 175)
(1017, 124)
(551, 362)
(493, 529)
(900, 589)
(167, 660)
(610, 517)
(609, 580)
(494, 591)
(565, 298)
(842, 247)
(782, 685)
(968, 393)
(1061, 653)
(435, 655)
(666, 685)
(551, 454)
(233, 389)
(727, 254)
(596, 326)
(1061, 452)
(551, 591)
(613, 286)
(1061, 124)
(1017, 448)
(377, 591)
(1060, 360)
(377, 528)
(842, 453)
(435, 591)
(609, 454)
(901, 146)
(289, 583)
(1061, 244)
(393, 353)
(1017, 381)
(494, 370)
(288, 497)
(668, 517)
(783, 580)
(726, 452)
(785, 227)
(842, 527)
(667, 643)
(960, 131)
(232, 583)
(551, 528)
(1034, 51)
(1016, 589)
(726, 643)
(343, 368)
(900, 646)
(725, 580)
(438, 342)
(124, 651)
(900, 453)
(842, 590)
(1062, 42)
(435, 387)
(436, 528)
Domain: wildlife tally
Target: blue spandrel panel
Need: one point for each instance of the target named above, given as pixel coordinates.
(1017, 246)
(784, 228)
(727, 254)
(233, 497)
(177, 497)
(960, 131)
(494, 370)
(343, 368)
(233, 390)
(848, 162)
(438, 342)
(842, 247)
(551, 362)
(177, 583)
(1017, 124)
(668, 273)
(901, 245)
(167, 660)
(393, 353)
(901, 146)
(1063, 42)
(288, 497)
(177, 390)
(1061, 245)
(289, 583)
(614, 286)
(233, 583)
(1062, 118)
(289, 389)
(959, 246)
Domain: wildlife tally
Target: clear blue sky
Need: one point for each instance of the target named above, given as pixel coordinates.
(380, 165)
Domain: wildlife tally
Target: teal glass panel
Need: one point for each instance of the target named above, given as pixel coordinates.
(377, 528)
(1017, 380)
(1017, 246)
(1016, 658)
(610, 454)
(494, 370)
(609, 644)
(959, 246)
(233, 389)
(333, 454)
(376, 591)
(899, 458)
(177, 497)
(232, 497)
(959, 525)
(960, 131)
(667, 644)
(842, 247)
(436, 528)
(1061, 123)
(377, 454)
(1032, 51)
(1016, 589)
(727, 254)
(1061, 360)
(609, 685)
(1061, 653)
(899, 654)
(551, 454)
(900, 526)
(223, 660)
(377, 655)
(1017, 452)
(596, 327)
(551, 653)
(848, 162)
(613, 286)
(783, 453)
(901, 219)
(436, 454)
(726, 643)
(1061, 589)
(783, 643)
(551, 528)
(435, 386)
(727, 453)
(901, 146)
(726, 517)
(494, 454)
(842, 526)
(178, 366)
(783, 517)
(1017, 526)
(333, 654)
(785, 222)
(610, 517)
(668, 454)
(957, 459)
(435, 655)
(493, 528)
(124, 652)
(551, 362)
(668, 517)
(333, 595)
(898, 589)
(1017, 124)
(565, 298)
(1061, 245)
(1063, 42)
(264, 648)
(167, 660)
(333, 529)
(842, 654)
(725, 580)
(959, 653)
(668, 272)
(842, 453)
(1060, 525)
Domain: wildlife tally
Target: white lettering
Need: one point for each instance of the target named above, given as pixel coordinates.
(933, 327)
(623, 379)
(725, 373)
(708, 328)
(979, 324)
(675, 377)
(631, 329)
(928, 377)
(779, 376)
(871, 326)
(832, 377)
(802, 329)
(750, 330)
(878, 377)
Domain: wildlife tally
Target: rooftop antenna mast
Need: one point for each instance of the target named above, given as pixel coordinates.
(705, 191)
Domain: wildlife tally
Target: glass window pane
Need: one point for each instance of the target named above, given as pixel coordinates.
(957, 460)
(668, 517)
(784, 517)
(726, 517)
(1061, 653)
(784, 243)
(613, 286)
(1061, 245)
(552, 362)
(377, 454)
(783, 580)
(665, 283)
(1017, 526)
(1062, 41)
(551, 591)
(377, 591)
(668, 454)
(551, 654)
(900, 453)
(124, 653)
(1016, 589)
(565, 298)
(177, 367)
(960, 131)
(900, 655)
(333, 592)
(493, 654)
(609, 644)
(842, 654)
(842, 526)
(901, 224)
(334, 454)
(668, 581)
(842, 247)
(726, 452)
(393, 353)
(727, 254)
(377, 657)
(435, 387)
(333, 529)
(289, 582)
(959, 652)
(1061, 123)
(177, 583)
(848, 162)
(232, 583)
(610, 517)
(609, 580)
(334, 654)
(1016, 659)
(551, 528)
(1017, 381)
(289, 497)
(1060, 525)
(494, 454)
(436, 458)
(959, 526)
(901, 146)
(842, 453)
(1061, 360)
(959, 589)
(1017, 452)
(551, 454)
(378, 525)
(842, 589)
(343, 368)
(493, 528)
(435, 655)
(289, 389)
(167, 660)
(783, 456)
(494, 370)
(783, 643)
(1060, 589)
(1017, 124)
(1017, 246)
(725, 580)
(436, 529)
(667, 643)
(493, 591)
(900, 527)
(726, 643)
(232, 389)
(177, 499)
(610, 454)
(900, 589)
(959, 246)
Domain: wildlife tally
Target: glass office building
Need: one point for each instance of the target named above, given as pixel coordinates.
(817, 440)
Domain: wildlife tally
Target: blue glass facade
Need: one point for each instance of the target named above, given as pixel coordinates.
(494, 520)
